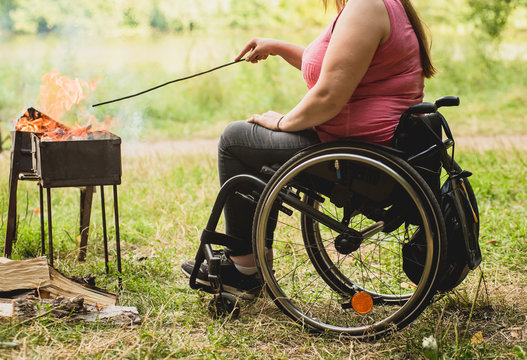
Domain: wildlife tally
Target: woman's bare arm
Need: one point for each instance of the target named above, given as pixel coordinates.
(362, 26)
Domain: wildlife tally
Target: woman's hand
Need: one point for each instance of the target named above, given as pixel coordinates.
(257, 49)
(260, 48)
(269, 120)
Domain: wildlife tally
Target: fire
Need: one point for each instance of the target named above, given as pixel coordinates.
(52, 130)
(58, 94)
(34, 121)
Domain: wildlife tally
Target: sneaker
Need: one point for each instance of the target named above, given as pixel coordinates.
(233, 281)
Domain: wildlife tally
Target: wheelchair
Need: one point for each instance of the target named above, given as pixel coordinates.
(358, 235)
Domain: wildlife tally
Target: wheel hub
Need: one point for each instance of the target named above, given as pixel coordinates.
(348, 242)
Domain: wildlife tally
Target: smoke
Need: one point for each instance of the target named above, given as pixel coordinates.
(129, 125)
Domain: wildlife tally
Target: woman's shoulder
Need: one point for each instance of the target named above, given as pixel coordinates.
(372, 12)
(371, 9)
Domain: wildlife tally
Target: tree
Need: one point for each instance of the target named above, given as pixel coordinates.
(491, 16)
(5, 8)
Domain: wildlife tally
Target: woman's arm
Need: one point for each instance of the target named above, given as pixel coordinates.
(260, 48)
(362, 26)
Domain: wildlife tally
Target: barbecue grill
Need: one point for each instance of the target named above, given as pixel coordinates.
(86, 163)
(93, 161)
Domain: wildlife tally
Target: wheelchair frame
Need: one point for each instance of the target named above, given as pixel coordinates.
(278, 196)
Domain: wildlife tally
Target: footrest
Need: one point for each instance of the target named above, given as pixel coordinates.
(216, 238)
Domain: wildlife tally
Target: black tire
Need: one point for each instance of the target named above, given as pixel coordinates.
(457, 268)
(312, 281)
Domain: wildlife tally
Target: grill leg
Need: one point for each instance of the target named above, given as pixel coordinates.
(104, 232)
(50, 232)
(42, 230)
(10, 233)
(117, 234)
(21, 163)
(86, 197)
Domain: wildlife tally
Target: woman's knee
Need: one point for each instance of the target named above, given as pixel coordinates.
(233, 134)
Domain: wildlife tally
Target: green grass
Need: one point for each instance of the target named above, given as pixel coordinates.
(165, 201)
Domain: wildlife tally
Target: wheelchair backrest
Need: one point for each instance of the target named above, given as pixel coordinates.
(416, 133)
(421, 126)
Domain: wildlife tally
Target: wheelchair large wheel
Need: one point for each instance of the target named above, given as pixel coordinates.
(343, 221)
(457, 268)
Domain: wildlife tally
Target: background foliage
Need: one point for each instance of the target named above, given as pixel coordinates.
(138, 16)
(491, 16)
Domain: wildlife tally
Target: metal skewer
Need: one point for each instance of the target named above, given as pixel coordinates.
(167, 83)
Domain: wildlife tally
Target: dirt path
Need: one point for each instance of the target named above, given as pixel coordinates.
(476, 143)
(482, 143)
(170, 147)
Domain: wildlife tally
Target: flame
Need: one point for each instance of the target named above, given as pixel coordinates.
(58, 94)
(35, 121)
(52, 130)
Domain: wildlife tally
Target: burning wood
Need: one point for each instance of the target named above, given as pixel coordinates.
(51, 130)
(34, 121)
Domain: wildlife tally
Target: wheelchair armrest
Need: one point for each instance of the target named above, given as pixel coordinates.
(429, 108)
(421, 108)
(447, 101)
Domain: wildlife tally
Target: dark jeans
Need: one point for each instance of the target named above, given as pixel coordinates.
(243, 149)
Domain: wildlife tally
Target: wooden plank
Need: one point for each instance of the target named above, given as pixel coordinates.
(116, 315)
(74, 309)
(49, 283)
(62, 286)
(23, 274)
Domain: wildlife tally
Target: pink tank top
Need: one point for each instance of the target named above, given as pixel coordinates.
(393, 82)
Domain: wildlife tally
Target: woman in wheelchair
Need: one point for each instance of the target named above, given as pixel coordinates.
(365, 69)
(362, 72)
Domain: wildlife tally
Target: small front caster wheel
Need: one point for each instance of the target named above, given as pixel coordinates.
(224, 304)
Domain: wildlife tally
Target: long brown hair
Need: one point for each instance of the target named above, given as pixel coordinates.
(419, 29)
(424, 44)
(339, 4)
